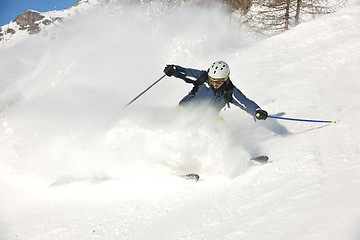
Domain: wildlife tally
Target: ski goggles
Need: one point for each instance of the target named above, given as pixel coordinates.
(218, 81)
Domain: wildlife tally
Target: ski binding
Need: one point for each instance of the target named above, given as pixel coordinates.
(191, 176)
(260, 159)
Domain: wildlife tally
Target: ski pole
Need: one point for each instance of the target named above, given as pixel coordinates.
(302, 120)
(144, 91)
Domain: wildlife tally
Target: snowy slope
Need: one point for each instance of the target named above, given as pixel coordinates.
(74, 166)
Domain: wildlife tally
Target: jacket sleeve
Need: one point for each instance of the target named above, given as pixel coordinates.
(189, 75)
(240, 100)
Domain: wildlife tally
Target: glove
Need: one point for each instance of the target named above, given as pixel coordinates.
(261, 114)
(169, 70)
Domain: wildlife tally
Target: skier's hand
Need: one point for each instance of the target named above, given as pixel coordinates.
(261, 114)
(169, 70)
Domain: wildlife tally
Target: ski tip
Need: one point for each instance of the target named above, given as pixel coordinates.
(260, 159)
(191, 176)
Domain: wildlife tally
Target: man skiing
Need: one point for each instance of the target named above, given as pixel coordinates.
(214, 87)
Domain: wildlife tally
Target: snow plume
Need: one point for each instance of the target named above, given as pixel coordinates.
(62, 93)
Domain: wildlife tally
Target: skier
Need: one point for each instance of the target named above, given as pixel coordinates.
(214, 87)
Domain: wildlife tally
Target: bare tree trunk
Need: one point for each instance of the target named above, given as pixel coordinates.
(297, 14)
(287, 14)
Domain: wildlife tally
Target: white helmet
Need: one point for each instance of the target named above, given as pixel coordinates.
(219, 70)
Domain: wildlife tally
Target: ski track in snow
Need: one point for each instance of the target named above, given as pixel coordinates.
(76, 166)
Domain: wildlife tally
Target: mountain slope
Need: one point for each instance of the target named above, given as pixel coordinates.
(32, 22)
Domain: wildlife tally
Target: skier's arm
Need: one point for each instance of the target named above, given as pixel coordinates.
(241, 101)
(189, 75)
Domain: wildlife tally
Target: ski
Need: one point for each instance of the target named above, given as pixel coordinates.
(191, 176)
(260, 159)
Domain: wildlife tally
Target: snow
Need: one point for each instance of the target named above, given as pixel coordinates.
(76, 165)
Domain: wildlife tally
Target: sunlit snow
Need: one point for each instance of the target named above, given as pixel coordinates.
(76, 165)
